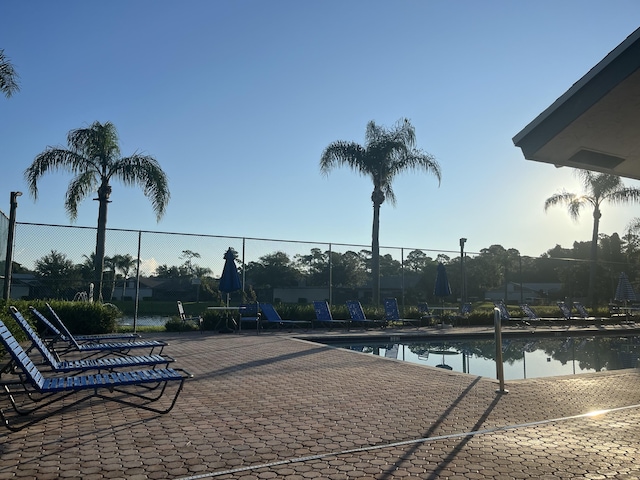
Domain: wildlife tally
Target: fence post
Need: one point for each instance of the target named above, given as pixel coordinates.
(135, 311)
(6, 293)
(330, 277)
(497, 319)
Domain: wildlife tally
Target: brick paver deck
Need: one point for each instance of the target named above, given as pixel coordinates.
(272, 406)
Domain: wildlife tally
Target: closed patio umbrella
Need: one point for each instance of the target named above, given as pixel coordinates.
(229, 280)
(442, 288)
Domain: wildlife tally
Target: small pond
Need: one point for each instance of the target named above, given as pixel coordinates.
(144, 321)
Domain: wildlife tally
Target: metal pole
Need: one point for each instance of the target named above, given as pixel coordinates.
(330, 277)
(244, 269)
(462, 283)
(6, 291)
(521, 293)
(499, 365)
(402, 270)
(135, 311)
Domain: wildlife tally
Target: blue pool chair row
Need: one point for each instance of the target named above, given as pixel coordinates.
(35, 393)
(83, 364)
(106, 344)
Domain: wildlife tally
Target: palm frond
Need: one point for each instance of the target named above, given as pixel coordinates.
(341, 153)
(80, 187)
(624, 195)
(98, 143)
(144, 171)
(417, 160)
(571, 200)
(8, 76)
(576, 205)
(52, 159)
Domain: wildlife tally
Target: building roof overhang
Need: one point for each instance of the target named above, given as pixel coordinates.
(595, 125)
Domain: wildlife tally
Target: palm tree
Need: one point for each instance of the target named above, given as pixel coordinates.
(119, 264)
(125, 264)
(386, 153)
(8, 76)
(94, 158)
(600, 188)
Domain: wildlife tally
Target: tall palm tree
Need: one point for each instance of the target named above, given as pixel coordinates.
(8, 76)
(600, 188)
(94, 158)
(386, 153)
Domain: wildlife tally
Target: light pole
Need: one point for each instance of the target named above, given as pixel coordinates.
(462, 279)
(6, 291)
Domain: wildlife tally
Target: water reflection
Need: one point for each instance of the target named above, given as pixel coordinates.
(523, 358)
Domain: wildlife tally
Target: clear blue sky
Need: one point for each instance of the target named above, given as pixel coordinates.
(237, 99)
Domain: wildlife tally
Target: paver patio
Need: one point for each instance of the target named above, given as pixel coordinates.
(272, 406)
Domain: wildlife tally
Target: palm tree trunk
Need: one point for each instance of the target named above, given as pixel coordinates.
(103, 199)
(113, 285)
(594, 257)
(375, 254)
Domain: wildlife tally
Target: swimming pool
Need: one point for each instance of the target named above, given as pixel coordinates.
(523, 358)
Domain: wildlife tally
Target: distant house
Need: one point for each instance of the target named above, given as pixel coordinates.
(390, 286)
(526, 292)
(300, 294)
(25, 285)
(129, 292)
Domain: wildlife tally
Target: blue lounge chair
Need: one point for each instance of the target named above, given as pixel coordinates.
(105, 347)
(358, 317)
(582, 311)
(566, 311)
(324, 317)
(105, 363)
(250, 313)
(504, 315)
(534, 317)
(58, 335)
(529, 313)
(392, 313)
(426, 314)
(271, 316)
(463, 313)
(29, 391)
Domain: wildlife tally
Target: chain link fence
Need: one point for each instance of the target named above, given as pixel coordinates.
(56, 261)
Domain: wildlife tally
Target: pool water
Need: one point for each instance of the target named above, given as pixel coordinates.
(522, 358)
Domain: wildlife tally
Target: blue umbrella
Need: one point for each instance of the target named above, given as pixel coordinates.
(229, 280)
(442, 288)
